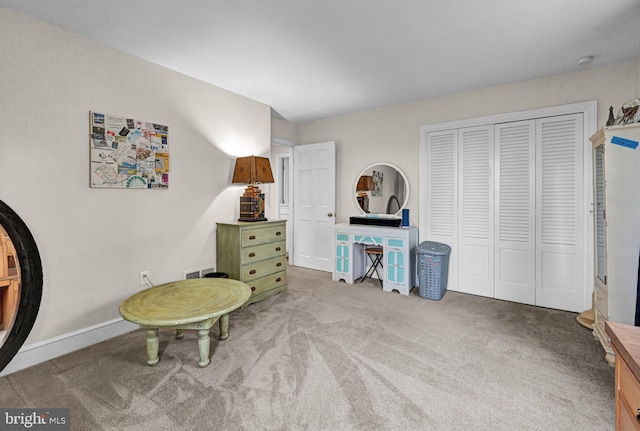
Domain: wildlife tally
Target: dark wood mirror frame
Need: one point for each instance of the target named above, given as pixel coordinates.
(30, 283)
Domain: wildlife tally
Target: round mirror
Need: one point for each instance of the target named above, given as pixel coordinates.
(381, 188)
(20, 283)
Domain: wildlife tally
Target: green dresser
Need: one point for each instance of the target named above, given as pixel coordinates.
(254, 253)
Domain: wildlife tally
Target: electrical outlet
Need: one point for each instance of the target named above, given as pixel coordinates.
(144, 277)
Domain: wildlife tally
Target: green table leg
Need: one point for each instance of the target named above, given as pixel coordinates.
(203, 347)
(152, 346)
(224, 327)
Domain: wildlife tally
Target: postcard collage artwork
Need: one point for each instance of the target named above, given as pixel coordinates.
(128, 153)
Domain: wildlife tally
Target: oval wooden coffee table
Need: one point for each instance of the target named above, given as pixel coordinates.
(187, 304)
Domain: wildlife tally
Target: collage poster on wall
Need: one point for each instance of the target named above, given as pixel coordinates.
(128, 153)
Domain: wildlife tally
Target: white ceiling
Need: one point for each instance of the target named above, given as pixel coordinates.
(311, 59)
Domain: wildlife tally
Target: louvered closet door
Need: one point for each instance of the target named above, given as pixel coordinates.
(475, 240)
(442, 192)
(515, 212)
(559, 214)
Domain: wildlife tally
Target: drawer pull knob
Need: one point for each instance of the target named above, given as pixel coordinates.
(278, 233)
(252, 255)
(253, 271)
(252, 237)
(279, 264)
(253, 288)
(278, 248)
(278, 280)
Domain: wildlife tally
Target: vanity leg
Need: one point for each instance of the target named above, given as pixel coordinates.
(203, 347)
(224, 327)
(152, 346)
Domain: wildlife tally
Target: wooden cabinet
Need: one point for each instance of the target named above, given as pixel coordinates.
(616, 172)
(625, 340)
(254, 253)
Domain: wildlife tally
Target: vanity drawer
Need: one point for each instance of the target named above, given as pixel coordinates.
(262, 268)
(251, 237)
(342, 237)
(395, 242)
(262, 252)
(269, 282)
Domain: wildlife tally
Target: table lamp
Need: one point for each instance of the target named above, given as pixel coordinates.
(365, 184)
(252, 170)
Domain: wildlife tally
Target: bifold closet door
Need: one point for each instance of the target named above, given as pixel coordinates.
(560, 212)
(442, 192)
(509, 200)
(476, 191)
(515, 254)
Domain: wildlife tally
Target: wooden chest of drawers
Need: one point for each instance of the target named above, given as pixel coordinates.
(254, 253)
(625, 340)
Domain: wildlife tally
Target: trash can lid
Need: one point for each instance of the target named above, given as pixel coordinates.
(433, 247)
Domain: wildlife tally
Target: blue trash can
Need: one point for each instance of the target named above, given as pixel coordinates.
(433, 269)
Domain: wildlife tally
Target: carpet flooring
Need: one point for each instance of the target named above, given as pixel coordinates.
(325, 355)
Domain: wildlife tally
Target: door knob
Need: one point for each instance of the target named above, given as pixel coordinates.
(330, 215)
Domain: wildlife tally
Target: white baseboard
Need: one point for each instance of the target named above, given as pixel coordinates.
(42, 351)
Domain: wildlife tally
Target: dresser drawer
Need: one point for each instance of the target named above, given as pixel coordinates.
(251, 237)
(269, 282)
(262, 268)
(627, 419)
(262, 252)
(629, 385)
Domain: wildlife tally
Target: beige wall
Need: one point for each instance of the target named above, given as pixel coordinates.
(391, 134)
(94, 242)
(284, 129)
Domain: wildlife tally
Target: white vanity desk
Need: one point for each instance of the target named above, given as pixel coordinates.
(399, 262)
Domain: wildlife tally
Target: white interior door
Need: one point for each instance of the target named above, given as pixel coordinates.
(560, 214)
(314, 205)
(475, 236)
(515, 254)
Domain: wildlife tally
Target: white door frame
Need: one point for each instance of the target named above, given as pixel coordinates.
(282, 178)
(589, 111)
(279, 179)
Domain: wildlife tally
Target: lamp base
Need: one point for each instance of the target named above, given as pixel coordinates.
(252, 205)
